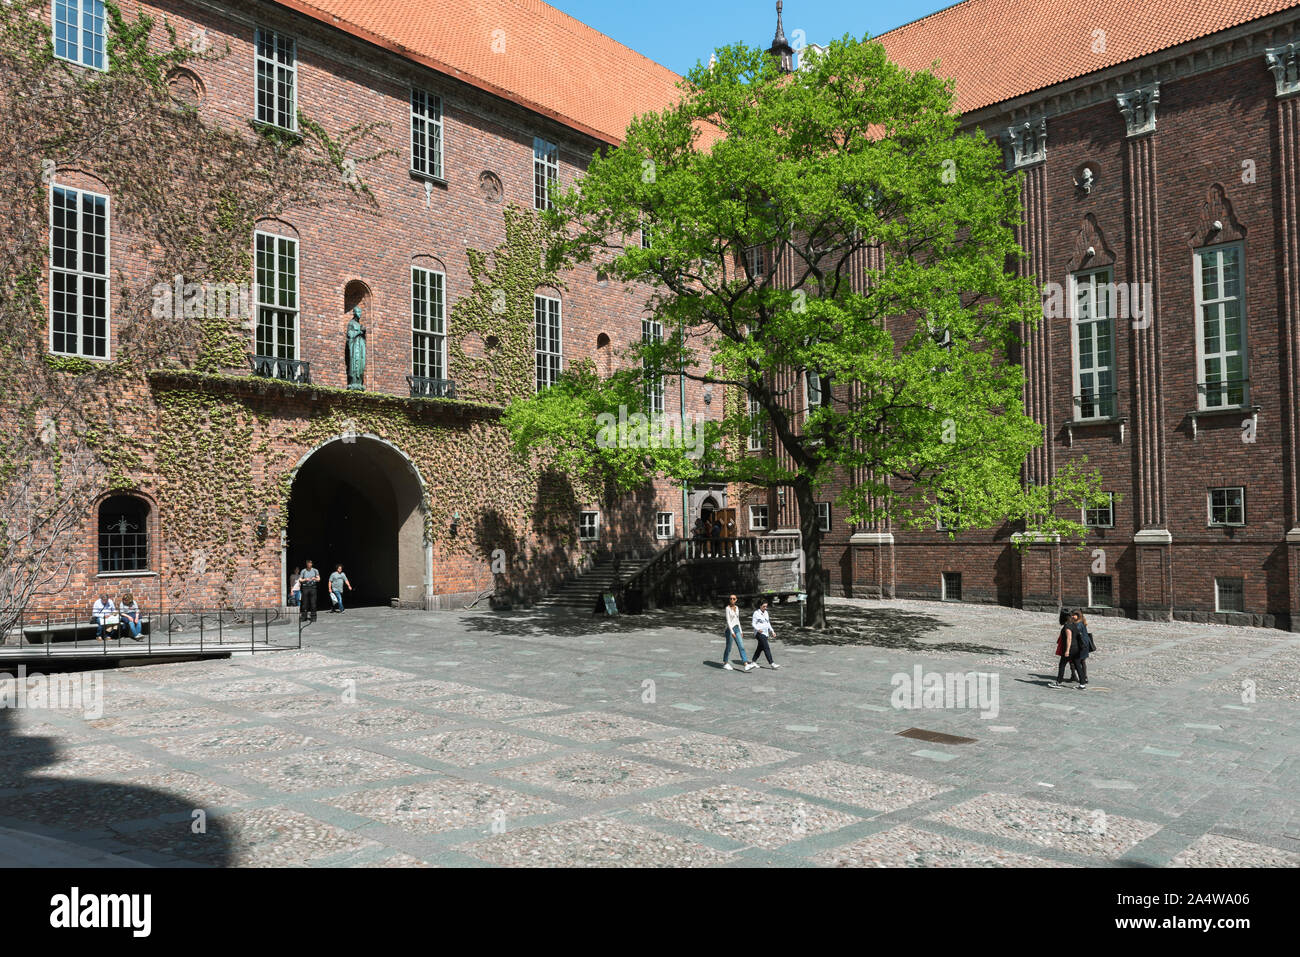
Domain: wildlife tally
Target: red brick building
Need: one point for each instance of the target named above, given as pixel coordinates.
(408, 480)
(1158, 144)
(1159, 153)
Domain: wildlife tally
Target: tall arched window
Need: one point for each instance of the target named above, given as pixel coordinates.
(123, 534)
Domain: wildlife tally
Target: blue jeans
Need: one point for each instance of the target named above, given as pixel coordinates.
(338, 597)
(133, 627)
(733, 634)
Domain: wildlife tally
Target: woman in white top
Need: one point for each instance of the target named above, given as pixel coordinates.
(733, 634)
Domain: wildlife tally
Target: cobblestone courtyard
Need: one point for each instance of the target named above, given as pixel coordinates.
(467, 739)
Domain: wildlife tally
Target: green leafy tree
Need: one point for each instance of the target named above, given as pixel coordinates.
(825, 234)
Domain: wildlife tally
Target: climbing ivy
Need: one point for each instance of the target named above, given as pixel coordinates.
(499, 311)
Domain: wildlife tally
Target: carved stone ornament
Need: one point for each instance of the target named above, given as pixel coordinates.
(1139, 109)
(489, 185)
(1217, 222)
(1284, 61)
(1090, 249)
(1026, 142)
(1085, 178)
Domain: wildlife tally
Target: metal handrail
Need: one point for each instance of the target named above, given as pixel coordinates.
(22, 626)
(424, 387)
(286, 370)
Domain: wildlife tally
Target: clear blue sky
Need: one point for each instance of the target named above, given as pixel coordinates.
(677, 33)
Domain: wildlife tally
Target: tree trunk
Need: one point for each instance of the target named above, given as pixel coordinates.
(814, 582)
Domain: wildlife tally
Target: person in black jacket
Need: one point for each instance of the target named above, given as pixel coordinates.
(1082, 648)
(1064, 643)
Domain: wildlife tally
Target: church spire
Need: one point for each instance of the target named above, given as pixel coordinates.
(780, 48)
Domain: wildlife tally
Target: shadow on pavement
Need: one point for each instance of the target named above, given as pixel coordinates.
(49, 821)
(883, 628)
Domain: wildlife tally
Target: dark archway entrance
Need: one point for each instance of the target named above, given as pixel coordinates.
(358, 503)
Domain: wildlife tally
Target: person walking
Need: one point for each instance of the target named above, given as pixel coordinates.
(1063, 643)
(1075, 651)
(734, 634)
(1083, 648)
(763, 632)
(307, 583)
(337, 581)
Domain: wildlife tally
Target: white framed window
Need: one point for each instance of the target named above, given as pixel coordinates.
(756, 261)
(428, 324)
(1103, 517)
(277, 296)
(1101, 591)
(1221, 327)
(79, 257)
(1229, 595)
(550, 353)
(824, 516)
(756, 426)
(665, 525)
(818, 389)
(758, 518)
(588, 526)
(651, 332)
(276, 57)
(546, 171)
(645, 232)
(1227, 505)
(1094, 345)
(426, 133)
(947, 515)
(79, 32)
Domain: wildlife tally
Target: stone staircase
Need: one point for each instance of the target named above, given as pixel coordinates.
(580, 593)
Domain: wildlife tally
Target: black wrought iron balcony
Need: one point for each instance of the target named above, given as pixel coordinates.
(287, 370)
(423, 387)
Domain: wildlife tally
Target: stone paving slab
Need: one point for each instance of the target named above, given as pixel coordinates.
(408, 739)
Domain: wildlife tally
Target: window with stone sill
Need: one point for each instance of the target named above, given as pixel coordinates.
(426, 134)
(1221, 327)
(589, 526)
(1094, 345)
(276, 62)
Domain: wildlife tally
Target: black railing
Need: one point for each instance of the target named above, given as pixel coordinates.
(424, 387)
(287, 370)
(1224, 394)
(183, 630)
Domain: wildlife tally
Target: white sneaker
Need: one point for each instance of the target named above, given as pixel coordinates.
(750, 666)
(775, 666)
(726, 666)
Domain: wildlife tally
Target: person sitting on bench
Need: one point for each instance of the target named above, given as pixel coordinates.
(130, 612)
(104, 614)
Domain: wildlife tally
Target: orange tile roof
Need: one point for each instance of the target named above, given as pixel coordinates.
(1001, 49)
(542, 59)
(996, 49)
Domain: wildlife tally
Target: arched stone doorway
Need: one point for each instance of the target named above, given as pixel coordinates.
(358, 501)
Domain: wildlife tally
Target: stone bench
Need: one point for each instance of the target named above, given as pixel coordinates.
(39, 633)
